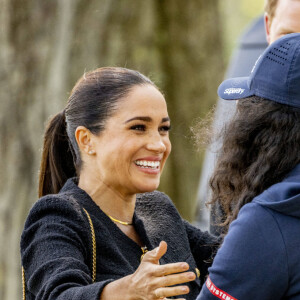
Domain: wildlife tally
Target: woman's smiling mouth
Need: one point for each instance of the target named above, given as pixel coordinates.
(147, 164)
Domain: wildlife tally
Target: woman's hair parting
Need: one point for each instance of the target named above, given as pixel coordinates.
(260, 147)
(92, 101)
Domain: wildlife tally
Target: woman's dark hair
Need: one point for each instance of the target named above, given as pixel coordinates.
(92, 101)
(260, 147)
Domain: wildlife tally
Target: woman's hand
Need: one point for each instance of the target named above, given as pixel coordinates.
(154, 281)
(151, 281)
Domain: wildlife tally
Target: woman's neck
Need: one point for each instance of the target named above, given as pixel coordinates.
(110, 200)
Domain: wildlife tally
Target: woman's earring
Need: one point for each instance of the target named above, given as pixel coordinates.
(91, 152)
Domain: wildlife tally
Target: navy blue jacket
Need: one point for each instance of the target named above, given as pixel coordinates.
(260, 256)
(56, 245)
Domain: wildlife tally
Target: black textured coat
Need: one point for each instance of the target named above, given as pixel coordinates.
(56, 244)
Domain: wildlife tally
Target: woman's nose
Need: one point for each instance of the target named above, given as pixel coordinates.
(156, 144)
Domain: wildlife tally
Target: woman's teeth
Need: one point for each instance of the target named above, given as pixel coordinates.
(148, 164)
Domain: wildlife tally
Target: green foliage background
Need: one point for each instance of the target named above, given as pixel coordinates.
(237, 14)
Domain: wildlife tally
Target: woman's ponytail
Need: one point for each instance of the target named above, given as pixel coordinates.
(57, 164)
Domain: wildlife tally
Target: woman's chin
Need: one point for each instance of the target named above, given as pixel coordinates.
(146, 188)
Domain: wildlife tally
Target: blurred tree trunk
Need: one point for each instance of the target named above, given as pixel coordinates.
(35, 41)
(189, 45)
(45, 46)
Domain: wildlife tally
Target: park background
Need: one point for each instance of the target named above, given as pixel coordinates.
(45, 46)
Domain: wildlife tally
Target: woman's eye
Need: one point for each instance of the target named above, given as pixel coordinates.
(138, 127)
(165, 128)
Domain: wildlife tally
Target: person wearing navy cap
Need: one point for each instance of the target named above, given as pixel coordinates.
(257, 182)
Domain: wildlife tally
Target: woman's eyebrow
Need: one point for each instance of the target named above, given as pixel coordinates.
(146, 119)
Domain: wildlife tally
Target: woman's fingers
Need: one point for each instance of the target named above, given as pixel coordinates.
(171, 291)
(174, 279)
(163, 270)
(156, 254)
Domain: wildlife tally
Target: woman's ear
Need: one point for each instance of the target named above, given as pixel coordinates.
(83, 139)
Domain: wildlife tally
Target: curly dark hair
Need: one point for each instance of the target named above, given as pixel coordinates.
(261, 145)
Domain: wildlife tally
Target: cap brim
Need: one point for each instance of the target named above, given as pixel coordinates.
(234, 89)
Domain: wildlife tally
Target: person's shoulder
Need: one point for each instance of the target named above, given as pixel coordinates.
(253, 242)
(155, 197)
(254, 218)
(254, 213)
(62, 205)
(60, 200)
(156, 202)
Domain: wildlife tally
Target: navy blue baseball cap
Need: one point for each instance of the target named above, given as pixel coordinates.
(275, 75)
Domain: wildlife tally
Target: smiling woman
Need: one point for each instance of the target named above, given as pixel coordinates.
(129, 155)
(100, 230)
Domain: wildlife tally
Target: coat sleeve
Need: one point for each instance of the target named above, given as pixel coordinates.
(252, 262)
(54, 252)
(203, 247)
